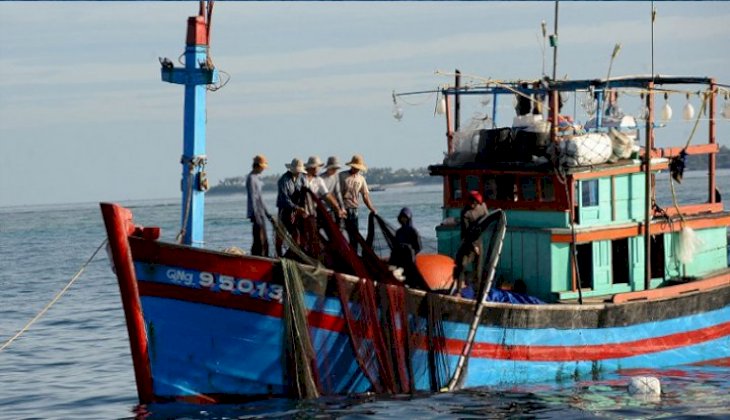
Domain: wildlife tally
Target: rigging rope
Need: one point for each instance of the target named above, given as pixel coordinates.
(55, 299)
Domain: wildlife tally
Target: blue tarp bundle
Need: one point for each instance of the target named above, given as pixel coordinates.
(504, 296)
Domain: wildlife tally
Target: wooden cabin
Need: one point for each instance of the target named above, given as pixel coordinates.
(576, 228)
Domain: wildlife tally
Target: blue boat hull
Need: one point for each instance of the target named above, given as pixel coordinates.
(207, 327)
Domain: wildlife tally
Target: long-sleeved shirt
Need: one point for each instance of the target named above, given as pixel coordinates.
(289, 188)
(256, 207)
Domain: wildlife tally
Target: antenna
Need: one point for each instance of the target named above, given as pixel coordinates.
(554, 43)
(653, 19)
(543, 26)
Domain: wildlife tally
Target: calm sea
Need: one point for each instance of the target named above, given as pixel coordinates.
(74, 362)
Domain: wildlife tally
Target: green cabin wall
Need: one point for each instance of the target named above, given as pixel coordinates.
(628, 192)
(711, 254)
(526, 256)
(529, 255)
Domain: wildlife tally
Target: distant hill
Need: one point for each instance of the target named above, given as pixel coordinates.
(375, 176)
(699, 162)
(385, 176)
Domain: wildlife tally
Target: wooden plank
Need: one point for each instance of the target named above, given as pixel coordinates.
(698, 149)
(720, 280)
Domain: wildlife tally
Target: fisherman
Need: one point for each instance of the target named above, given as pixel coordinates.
(469, 251)
(407, 235)
(288, 201)
(407, 241)
(332, 182)
(316, 185)
(257, 212)
(353, 186)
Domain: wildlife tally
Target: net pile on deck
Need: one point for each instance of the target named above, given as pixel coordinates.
(395, 337)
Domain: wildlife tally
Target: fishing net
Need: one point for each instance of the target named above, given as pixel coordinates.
(301, 374)
(390, 335)
(381, 238)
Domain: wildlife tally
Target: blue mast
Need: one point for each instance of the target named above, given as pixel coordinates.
(197, 73)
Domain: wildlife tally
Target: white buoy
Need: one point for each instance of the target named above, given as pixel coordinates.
(397, 112)
(645, 386)
(666, 112)
(689, 111)
(441, 107)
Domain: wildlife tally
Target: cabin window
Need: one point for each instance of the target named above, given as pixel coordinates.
(620, 260)
(490, 188)
(589, 193)
(585, 265)
(657, 256)
(455, 187)
(547, 189)
(506, 188)
(472, 183)
(529, 188)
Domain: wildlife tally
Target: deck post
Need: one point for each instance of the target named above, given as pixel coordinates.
(195, 76)
(457, 101)
(712, 157)
(647, 184)
(449, 130)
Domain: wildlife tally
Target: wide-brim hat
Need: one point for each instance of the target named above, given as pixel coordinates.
(260, 160)
(296, 166)
(357, 162)
(332, 163)
(313, 162)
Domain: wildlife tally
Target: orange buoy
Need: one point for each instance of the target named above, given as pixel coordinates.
(437, 270)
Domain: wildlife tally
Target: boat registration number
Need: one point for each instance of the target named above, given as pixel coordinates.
(212, 281)
(256, 289)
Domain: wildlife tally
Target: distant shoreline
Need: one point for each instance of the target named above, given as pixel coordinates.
(384, 178)
(241, 189)
(379, 179)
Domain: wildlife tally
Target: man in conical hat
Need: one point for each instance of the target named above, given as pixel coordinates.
(314, 183)
(354, 186)
(288, 201)
(332, 182)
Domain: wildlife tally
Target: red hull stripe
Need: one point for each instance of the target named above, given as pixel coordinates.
(253, 268)
(453, 346)
(724, 362)
(598, 351)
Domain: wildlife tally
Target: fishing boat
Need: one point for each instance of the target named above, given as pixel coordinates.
(609, 281)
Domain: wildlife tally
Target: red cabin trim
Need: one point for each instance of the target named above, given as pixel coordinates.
(691, 209)
(699, 149)
(657, 227)
(599, 173)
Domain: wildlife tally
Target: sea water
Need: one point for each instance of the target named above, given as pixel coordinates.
(74, 362)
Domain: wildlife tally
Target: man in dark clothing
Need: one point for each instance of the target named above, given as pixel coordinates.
(288, 201)
(407, 245)
(469, 251)
(256, 209)
(407, 235)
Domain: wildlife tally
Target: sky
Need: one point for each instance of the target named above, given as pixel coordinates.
(84, 116)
